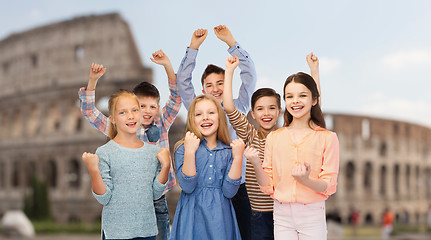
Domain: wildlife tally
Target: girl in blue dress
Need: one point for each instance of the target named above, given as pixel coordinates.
(208, 169)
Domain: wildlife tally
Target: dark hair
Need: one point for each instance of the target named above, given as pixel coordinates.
(146, 89)
(265, 92)
(315, 113)
(211, 69)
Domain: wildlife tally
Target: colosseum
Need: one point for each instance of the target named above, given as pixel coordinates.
(383, 163)
(42, 132)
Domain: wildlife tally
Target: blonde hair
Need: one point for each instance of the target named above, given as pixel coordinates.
(112, 130)
(222, 131)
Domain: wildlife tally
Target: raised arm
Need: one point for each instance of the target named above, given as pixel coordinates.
(172, 107)
(313, 64)
(87, 101)
(248, 70)
(184, 73)
(231, 64)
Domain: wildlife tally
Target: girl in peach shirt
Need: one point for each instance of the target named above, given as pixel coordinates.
(300, 166)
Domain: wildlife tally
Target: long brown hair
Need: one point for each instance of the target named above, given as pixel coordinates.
(112, 130)
(316, 115)
(222, 131)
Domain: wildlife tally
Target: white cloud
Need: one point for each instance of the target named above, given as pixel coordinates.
(414, 111)
(328, 65)
(407, 59)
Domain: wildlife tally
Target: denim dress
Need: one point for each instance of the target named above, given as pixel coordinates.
(204, 210)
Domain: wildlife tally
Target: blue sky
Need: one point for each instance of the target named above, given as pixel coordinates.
(375, 55)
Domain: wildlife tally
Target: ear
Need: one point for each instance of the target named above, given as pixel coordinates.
(203, 91)
(279, 112)
(314, 102)
(252, 114)
(111, 119)
(158, 108)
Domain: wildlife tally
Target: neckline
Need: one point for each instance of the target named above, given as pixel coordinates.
(133, 149)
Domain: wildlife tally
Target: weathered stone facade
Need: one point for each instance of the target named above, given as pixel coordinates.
(42, 132)
(383, 163)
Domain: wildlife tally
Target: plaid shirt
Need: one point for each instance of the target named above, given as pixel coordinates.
(169, 112)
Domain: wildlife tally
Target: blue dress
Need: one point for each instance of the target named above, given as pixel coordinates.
(204, 210)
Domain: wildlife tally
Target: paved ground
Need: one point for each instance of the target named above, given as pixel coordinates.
(97, 237)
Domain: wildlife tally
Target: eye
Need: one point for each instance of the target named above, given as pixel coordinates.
(303, 95)
(135, 110)
(153, 107)
(121, 113)
(289, 96)
(258, 109)
(197, 114)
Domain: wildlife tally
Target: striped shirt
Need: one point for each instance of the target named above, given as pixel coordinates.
(259, 201)
(163, 122)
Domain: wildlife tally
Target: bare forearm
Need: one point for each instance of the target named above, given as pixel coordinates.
(170, 72)
(163, 175)
(97, 183)
(261, 176)
(91, 86)
(189, 165)
(315, 184)
(235, 169)
(227, 93)
(316, 77)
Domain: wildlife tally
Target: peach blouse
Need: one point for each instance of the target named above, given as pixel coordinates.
(320, 148)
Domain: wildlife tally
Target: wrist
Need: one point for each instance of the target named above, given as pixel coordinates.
(231, 42)
(194, 46)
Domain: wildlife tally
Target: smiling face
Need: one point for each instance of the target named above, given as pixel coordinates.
(149, 109)
(266, 112)
(206, 118)
(299, 100)
(213, 85)
(126, 116)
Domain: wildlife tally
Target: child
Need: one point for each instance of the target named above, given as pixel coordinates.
(128, 176)
(209, 173)
(300, 165)
(154, 127)
(212, 83)
(265, 109)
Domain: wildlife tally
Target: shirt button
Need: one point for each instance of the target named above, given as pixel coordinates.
(211, 154)
(211, 165)
(209, 178)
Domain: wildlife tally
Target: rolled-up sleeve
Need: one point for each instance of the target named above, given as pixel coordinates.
(230, 186)
(105, 172)
(187, 183)
(330, 164)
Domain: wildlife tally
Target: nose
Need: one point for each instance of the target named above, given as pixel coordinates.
(130, 115)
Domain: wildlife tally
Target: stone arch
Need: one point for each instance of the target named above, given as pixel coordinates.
(407, 175)
(15, 174)
(383, 149)
(383, 183)
(350, 177)
(53, 118)
(33, 121)
(368, 177)
(30, 170)
(368, 219)
(397, 179)
(74, 119)
(2, 174)
(51, 173)
(74, 173)
(427, 184)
